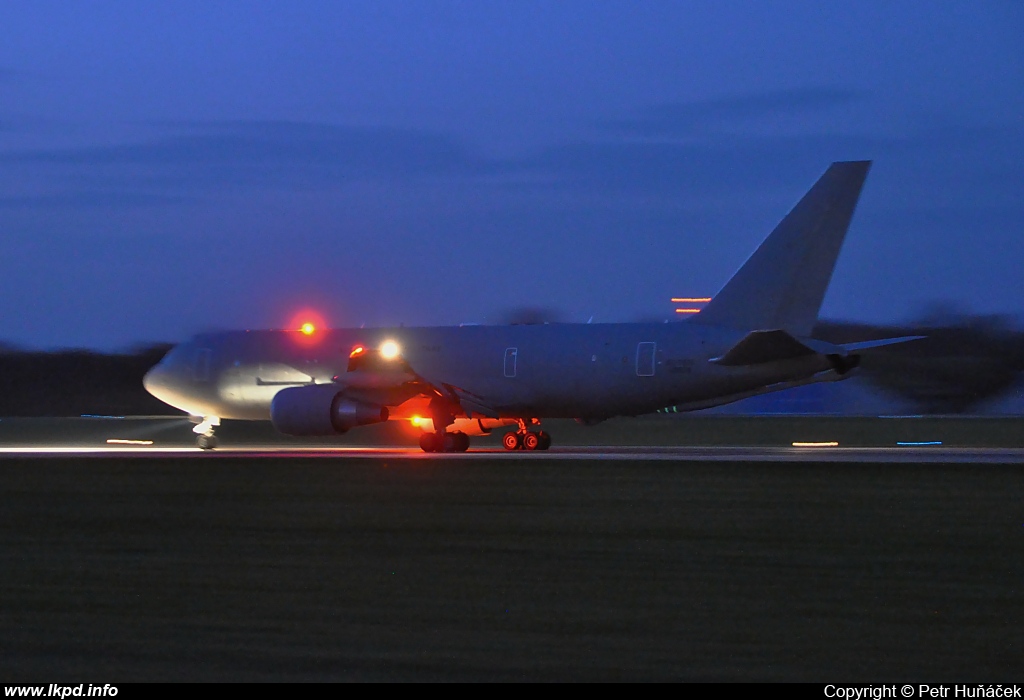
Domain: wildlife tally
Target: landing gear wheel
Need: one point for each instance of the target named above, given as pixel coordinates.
(203, 428)
(545, 440)
(531, 441)
(447, 442)
(444, 442)
(512, 441)
(428, 442)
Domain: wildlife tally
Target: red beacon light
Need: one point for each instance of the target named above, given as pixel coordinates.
(306, 326)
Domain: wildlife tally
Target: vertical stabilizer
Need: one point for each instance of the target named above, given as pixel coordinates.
(783, 283)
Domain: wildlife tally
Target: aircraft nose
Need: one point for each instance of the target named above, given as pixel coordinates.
(157, 381)
(168, 379)
(169, 382)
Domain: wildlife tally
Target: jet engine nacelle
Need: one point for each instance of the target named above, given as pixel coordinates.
(320, 410)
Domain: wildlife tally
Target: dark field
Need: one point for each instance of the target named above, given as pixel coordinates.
(283, 569)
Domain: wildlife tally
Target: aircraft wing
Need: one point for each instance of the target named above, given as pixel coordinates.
(393, 381)
(471, 403)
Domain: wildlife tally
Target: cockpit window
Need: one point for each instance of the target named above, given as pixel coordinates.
(202, 367)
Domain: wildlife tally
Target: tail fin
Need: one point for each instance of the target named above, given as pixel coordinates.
(783, 283)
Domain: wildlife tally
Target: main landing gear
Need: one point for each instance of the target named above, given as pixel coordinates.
(205, 439)
(525, 439)
(440, 440)
(444, 442)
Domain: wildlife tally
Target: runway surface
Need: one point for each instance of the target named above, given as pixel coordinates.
(837, 454)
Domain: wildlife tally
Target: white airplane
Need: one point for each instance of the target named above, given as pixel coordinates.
(753, 337)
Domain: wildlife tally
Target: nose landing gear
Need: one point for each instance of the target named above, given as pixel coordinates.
(525, 439)
(205, 439)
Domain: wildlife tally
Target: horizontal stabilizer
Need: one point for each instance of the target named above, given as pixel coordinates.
(764, 346)
(758, 347)
(868, 344)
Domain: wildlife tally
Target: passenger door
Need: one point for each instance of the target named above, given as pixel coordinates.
(645, 359)
(511, 359)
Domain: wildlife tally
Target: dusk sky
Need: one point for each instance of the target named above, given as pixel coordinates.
(167, 168)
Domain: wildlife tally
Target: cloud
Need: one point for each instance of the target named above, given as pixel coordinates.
(700, 166)
(683, 118)
(211, 156)
(232, 152)
(982, 162)
(977, 220)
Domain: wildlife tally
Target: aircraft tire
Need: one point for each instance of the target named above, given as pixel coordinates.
(512, 441)
(428, 442)
(545, 440)
(449, 442)
(206, 442)
(461, 442)
(531, 441)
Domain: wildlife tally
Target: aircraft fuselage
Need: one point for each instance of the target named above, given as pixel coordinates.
(586, 371)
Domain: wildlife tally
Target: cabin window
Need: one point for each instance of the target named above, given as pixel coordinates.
(510, 361)
(645, 359)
